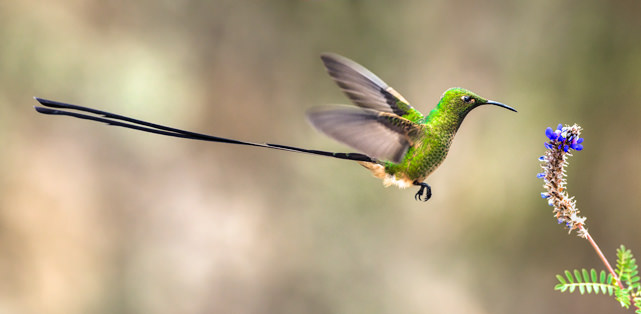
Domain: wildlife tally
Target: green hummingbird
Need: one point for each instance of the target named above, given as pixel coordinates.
(396, 142)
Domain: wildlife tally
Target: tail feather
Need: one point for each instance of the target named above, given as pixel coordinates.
(140, 125)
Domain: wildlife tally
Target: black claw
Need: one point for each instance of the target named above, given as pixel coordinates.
(425, 188)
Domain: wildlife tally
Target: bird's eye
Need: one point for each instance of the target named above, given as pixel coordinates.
(467, 99)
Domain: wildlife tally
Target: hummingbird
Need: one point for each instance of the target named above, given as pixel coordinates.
(396, 142)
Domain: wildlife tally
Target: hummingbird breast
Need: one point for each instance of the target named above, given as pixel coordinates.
(422, 158)
(428, 157)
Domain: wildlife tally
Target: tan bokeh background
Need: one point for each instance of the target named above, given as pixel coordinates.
(96, 219)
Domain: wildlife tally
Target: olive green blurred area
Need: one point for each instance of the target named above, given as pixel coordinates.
(99, 219)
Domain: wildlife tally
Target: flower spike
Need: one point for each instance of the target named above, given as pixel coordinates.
(561, 142)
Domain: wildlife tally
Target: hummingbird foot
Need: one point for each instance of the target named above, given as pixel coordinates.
(425, 189)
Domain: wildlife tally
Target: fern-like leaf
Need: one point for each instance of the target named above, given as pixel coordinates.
(627, 268)
(586, 281)
(623, 296)
(637, 304)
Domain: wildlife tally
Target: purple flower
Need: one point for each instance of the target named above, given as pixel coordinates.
(550, 134)
(563, 138)
(540, 175)
(576, 144)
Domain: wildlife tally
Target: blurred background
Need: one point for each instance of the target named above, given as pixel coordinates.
(98, 219)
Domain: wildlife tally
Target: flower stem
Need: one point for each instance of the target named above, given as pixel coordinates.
(598, 252)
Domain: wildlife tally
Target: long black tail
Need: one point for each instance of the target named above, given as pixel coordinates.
(115, 119)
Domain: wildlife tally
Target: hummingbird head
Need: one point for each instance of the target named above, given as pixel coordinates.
(460, 102)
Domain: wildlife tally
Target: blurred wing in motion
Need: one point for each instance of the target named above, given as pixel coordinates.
(382, 135)
(366, 89)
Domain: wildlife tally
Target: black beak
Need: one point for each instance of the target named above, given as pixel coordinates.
(496, 103)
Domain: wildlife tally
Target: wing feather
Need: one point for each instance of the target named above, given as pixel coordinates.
(366, 89)
(380, 135)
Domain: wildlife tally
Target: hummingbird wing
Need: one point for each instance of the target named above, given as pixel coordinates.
(381, 135)
(366, 89)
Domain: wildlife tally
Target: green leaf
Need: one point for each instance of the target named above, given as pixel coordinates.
(586, 277)
(611, 284)
(627, 268)
(623, 297)
(577, 275)
(637, 304)
(562, 285)
(586, 281)
(602, 279)
(568, 275)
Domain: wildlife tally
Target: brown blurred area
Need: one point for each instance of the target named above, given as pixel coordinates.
(97, 219)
